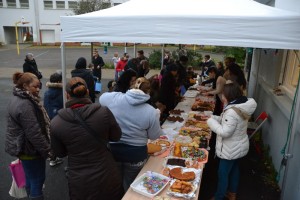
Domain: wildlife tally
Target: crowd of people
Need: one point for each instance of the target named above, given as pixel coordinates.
(106, 142)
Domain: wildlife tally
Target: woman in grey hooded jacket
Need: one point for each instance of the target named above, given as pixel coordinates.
(232, 139)
(138, 121)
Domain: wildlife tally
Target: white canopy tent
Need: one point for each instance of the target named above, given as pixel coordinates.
(243, 23)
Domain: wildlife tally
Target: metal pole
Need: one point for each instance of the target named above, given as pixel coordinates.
(125, 49)
(17, 37)
(92, 49)
(162, 56)
(63, 69)
(134, 50)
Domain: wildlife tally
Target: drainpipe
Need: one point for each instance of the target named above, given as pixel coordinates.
(37, 21)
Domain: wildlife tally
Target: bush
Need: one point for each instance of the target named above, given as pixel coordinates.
(155, 58)
(109, 66)
(239, 53)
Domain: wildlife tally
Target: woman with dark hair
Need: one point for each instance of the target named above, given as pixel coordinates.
(86, 74)
(232, 139)
(139, 122)
(168, 93)
(27, 134)
(126, 80)
(81, 132)
(234, 72)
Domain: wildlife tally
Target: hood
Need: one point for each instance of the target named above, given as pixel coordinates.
(53, 85)
(80, 73)
(85, 112)
(81, 63)
(136, 97)
(246, 109)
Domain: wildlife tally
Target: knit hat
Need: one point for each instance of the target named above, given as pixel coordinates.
(81, 63)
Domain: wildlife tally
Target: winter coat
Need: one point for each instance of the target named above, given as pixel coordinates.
(53, 99)
(121, 65)
(231, 129)
(25, 135)
(93, 173)
(167, 95)
(87, 76)
(31, 66)
(138, 120)
(97, 61)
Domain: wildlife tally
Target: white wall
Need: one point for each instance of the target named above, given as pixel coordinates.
(292, 5)
(264, 76)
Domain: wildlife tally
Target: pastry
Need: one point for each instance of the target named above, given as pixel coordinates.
(177, 150)
(176, 161)
(183, 176)
(153, 148)
(163, 143)
(181, 187)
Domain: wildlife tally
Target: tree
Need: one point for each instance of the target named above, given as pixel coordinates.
(86, 6)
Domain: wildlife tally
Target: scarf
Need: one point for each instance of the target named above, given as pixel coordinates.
(73, 101)
(45, 121)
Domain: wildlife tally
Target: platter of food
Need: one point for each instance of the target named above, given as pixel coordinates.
(199, 154)
(176, 112)
(150, 184)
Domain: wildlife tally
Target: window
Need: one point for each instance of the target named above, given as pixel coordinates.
(1, 3)
(24, 3)
(60, 5)
(72, 4)
(11, 4)
(48, 4)
(292, 69)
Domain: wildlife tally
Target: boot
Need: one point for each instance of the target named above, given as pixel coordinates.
(231, 196)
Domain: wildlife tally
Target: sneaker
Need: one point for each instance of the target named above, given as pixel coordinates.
(55, 162)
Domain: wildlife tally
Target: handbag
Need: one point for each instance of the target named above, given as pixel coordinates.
(16, 192)
(90, 130)
(98, 86)
(17, 171)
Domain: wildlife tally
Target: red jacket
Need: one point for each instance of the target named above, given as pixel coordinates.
(120, 66)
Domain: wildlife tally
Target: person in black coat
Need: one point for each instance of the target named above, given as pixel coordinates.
(208, 63)
(31, 66)
(98, 64)
(81, 71)
(167, 93)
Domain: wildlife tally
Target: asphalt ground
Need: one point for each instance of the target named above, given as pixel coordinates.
(48, 61)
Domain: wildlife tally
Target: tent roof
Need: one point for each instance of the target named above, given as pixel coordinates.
(243, 23)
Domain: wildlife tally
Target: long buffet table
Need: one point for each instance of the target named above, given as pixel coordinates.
(156, 163)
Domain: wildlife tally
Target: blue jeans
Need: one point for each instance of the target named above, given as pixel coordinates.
(129, 172)
(229, 175)
(35, 173)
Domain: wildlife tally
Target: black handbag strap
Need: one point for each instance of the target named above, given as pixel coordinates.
(89, 130)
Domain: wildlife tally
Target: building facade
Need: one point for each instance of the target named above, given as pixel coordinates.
(270, 69)
(36, 21)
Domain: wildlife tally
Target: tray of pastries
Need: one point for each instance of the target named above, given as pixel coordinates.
(175, 119)
(176, 112)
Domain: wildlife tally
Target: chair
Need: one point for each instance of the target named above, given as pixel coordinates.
(253, 127)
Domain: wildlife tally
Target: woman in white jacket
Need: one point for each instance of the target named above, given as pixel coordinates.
(232, 139)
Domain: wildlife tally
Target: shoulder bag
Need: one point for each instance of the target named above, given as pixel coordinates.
(90, 130)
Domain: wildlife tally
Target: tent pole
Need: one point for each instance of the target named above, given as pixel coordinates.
(92, 47)
(63, 69)
(162, 56)
(134, 50)
(125, 48)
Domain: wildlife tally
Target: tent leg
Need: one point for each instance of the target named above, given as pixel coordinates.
(63, 69)
(162, 56)
(92, 49)
(134, 50)
(125, 48)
